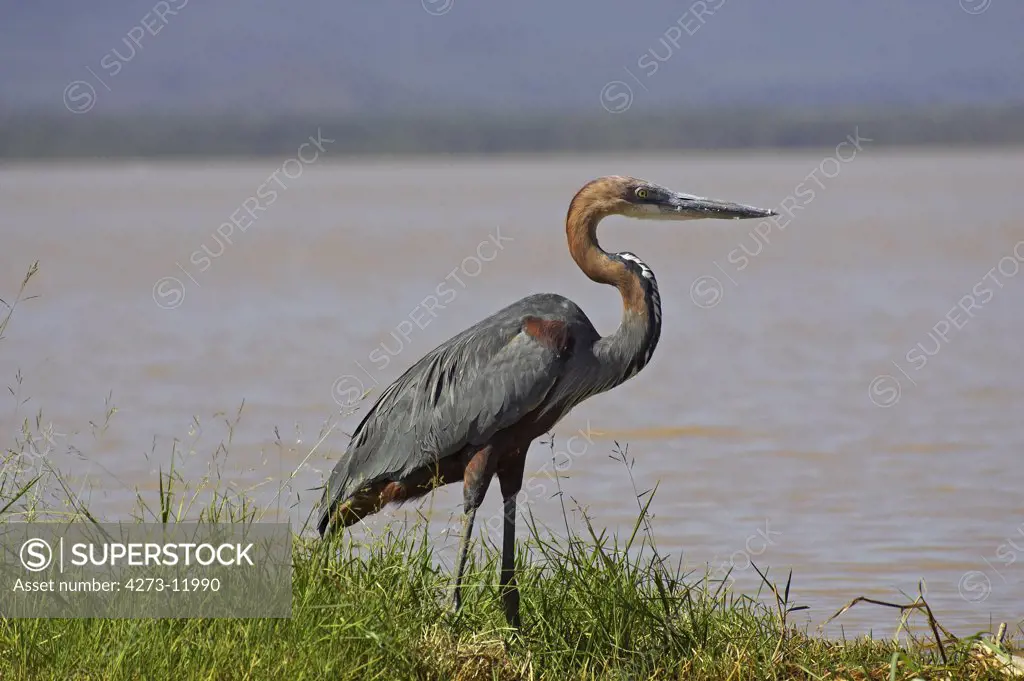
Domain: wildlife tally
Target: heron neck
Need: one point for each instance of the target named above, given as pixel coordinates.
(624, 353)
(629, 349)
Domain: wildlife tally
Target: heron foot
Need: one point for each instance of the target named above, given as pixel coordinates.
(510, 601)
(456, 602)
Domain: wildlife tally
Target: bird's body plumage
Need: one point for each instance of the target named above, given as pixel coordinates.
(460, 395)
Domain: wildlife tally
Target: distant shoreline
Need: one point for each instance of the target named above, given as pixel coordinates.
(151, 136)
(384, 158)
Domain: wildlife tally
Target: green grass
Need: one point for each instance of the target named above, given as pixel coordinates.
(594, 605)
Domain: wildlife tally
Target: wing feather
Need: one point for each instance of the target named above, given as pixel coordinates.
(460, 394)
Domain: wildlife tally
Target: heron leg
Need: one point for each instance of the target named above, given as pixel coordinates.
(510, 475)
(509, 590)
(467, 532)
(476, 479)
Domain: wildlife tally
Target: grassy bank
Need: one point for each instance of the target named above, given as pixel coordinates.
(594, 606)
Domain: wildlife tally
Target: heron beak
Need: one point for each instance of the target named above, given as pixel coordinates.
(689, 207)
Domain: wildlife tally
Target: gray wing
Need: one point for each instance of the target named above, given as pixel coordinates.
(460, 394)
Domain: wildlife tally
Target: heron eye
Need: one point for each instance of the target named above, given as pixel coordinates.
(641, 193)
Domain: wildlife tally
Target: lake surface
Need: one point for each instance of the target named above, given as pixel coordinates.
(839, 393)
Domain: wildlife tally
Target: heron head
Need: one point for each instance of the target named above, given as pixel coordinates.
(628, 196)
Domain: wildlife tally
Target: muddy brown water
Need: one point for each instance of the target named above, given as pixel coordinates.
(839, 393)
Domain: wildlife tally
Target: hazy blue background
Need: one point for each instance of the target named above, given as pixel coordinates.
(265, 57)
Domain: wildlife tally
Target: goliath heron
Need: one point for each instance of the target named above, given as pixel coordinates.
(469, 409)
